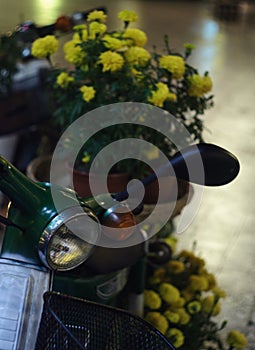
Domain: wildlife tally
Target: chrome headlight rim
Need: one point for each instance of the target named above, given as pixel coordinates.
(52, 228)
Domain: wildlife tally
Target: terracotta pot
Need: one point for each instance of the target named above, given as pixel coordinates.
(169, 182)
(116, 182)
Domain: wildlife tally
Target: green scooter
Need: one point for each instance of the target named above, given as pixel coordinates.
(45, 250)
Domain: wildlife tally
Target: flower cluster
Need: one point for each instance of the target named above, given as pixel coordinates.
(104, 67)
(182, 299)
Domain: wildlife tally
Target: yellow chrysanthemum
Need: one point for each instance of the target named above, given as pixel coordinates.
(152, 300)
(157, 320)
(194, 307)
(88, 93)
(174, 64)
(176, 337)
(237, 340)
(137, 37)
(169, 293)
(127, 16)
(218, 292)
(171, 316)
(97, 16)
(96, 29)
(112, 43)
(73, 52)
(80, 35)
(172, 97)
(137, 56)
(158, 276)
(198, 283)
(210, 306)
(64, 79)
(159, 95)
(111, 61)
(199, 85)
(175, 266)
(44, 47)
(184, 316)
(178, 303)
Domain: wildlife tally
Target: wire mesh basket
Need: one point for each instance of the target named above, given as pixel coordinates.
(74, 324)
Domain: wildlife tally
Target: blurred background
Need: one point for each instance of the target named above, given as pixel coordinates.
(223, 32)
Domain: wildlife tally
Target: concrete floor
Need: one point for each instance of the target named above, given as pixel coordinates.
(224, 225)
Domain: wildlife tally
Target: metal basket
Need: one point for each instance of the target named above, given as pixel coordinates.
(74, 324)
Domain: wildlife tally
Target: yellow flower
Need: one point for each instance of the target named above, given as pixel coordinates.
(178, 303)
(218, 292)
(176, 337)
(199, 85)
(44, 47)
(198, 283)
(174, 64)
(127, 16)
(137, 56)
(172, 317)
(137, 37)
(111, 61)
(86, 158)
(175, 266)
(157, 320)
(194, 307)
(64, 79)
(237, 340)
(158, 276)
(73, 52)
(171, 241)
(81, 34)
(169, 293)
(152, 299)
(88, 93)
(211, 280)
(96, 29)
(184, 316)
(159, 95)
(97, 16)
(209, 305)
(112, 43)
(172, 97)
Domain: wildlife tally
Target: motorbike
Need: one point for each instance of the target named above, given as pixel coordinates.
(56, 279)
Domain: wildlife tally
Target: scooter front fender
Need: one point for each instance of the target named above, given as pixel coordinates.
(21, 303)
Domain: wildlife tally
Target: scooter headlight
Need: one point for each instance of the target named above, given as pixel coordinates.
(69, 239)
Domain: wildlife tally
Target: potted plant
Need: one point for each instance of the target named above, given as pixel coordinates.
(105, 67)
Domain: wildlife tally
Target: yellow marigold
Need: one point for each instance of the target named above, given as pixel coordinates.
(174, 64)
(73, 52)
(111, 61)
(152, 299)
(171, 316)
(199, 85)
(96, 29)
(137, 37)
(88, 93)
(175, 266)
(198, 283)
(44, 47)
(137, 56)
(159, 95)
(194, 307)
(157, 320)
(176, 337)
(169, 293)
(127, 16)
(184, 316)
(112, 43)
(64, 79)
(237, 340)
(97, 16)
(209, 305)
